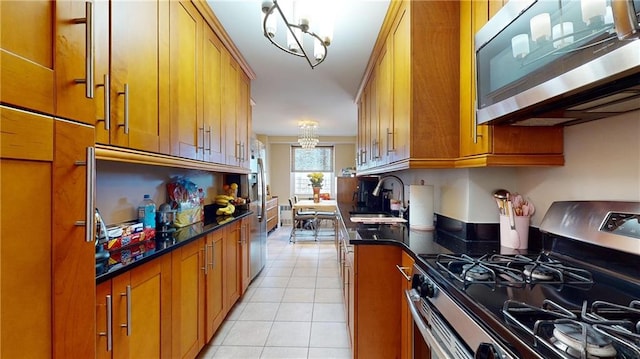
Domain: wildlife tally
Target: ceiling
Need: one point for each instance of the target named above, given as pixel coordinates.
(286, 90)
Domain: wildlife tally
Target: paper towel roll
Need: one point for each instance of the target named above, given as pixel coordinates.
(421, 207)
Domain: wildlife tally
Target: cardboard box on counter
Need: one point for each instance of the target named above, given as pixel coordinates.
(127, 239)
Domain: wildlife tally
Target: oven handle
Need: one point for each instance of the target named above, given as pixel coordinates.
(413, 297)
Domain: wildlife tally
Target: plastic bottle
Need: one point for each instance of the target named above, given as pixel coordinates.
(147, 212)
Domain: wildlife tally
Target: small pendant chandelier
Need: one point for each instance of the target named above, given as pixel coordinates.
(308, 137)
(298, 29)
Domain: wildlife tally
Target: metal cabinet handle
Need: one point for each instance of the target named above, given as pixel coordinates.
(109, 332)
(404, 273)
(210, 139)
(89, 49)
(204, 267)
(89, 222)
(128, 323)
(390, 148)
(213, 256)
(126, 109)
(201, 147)
(107, 102)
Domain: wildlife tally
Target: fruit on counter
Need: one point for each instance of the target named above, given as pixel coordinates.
(223, 219)
(223, 199)
(228, 210)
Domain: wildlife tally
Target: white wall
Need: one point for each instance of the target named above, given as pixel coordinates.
(279, 154)
(602, 162)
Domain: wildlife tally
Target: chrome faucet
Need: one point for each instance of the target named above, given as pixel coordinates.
(376, 191)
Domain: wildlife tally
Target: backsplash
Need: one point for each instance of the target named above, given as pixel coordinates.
(602, 162)
(121, 186)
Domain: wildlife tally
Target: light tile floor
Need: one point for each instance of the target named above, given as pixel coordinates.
(293, 309)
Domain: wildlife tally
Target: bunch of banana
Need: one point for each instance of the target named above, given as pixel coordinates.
(226, 211)
(223, 199)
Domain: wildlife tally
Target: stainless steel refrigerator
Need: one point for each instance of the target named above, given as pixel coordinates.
(257, 204)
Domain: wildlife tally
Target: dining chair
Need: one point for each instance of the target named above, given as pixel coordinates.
(302, 221)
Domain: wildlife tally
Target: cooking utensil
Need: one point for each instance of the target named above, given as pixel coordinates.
(501, 196)
(510, 213)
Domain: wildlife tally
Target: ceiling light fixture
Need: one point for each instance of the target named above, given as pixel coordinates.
(300, 12)
(308, 138)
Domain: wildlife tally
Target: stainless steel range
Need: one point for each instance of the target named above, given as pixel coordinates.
(578, 297)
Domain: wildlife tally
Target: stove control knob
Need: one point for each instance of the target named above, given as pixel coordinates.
(423, 286)
(427, 289)
(487, 351)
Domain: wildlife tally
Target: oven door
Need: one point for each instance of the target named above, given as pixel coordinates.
(428, 339)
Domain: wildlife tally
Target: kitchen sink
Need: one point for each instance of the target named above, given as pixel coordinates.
(371, 215)
(375, 218)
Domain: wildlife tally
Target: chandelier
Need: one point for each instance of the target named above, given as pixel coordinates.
(300, 12)
(308, 137)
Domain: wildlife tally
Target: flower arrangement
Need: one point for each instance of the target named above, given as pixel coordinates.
(316, 179)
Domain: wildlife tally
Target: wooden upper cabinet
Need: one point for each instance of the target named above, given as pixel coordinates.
(413, 82)
(230, 95)
(139, 63)
(489, 145)
(243, 120)
(27, 54)
(187, 129)
(212, 97)
(75, 65)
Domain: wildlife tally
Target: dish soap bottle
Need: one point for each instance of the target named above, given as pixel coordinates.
(147, 212)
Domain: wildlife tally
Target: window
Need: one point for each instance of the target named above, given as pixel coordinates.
(308, 160)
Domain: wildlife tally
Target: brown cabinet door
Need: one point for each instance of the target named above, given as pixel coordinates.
(137, 58)
(214, 288)
(377, 288)
(187, 130)
(243, 124)
(406, 330)
(26, 153)
(73, 245)
(245, 259)
(75, 66)
(187, 300)
(142, 311)
(229, 109)
(231, 264)
(27, 54)
(212, 97)
(104, 315)
(401, 70)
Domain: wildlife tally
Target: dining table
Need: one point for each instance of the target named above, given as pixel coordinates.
(326, 209)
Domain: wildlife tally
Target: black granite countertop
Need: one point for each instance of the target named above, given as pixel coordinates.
(167, 242)
(450, 236)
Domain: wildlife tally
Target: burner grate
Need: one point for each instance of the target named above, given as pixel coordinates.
(604, 330)
(513, 271)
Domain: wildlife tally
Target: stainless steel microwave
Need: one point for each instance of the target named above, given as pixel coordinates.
(558, 62)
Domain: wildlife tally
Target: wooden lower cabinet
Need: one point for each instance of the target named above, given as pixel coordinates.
(245, 255)
(214, 299)
(188, 271)
(26, 154)
(140, 314)
(177, 301)
(377, 308)
(406, 322)
(231, 261)
(272, 214)
(47, 281)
